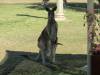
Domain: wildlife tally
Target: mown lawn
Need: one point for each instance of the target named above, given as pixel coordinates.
(21, 24)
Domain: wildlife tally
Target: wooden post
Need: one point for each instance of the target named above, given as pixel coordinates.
(90, 28)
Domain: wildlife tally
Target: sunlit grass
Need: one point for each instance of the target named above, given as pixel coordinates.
(21, 32)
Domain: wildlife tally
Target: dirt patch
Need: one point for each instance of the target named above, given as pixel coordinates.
(19, 1)
(35, 1)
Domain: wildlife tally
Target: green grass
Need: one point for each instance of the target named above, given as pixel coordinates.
(20, 33)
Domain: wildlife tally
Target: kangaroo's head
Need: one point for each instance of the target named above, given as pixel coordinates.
(51, 10)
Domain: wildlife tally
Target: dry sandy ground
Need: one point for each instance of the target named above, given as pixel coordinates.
(18, 1)
(34, 1)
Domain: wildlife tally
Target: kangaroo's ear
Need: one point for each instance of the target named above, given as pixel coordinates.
(54, 9)
(47, 8)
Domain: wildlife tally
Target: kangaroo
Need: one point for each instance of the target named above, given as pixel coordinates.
(48, 40)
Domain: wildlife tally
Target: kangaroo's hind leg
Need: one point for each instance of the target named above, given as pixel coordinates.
(43, 57)
(54, 53)
(42, 47)
(38, 56)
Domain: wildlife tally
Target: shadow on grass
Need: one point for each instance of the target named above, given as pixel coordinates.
(82, 7)
(76, 6)
(38, 6)
(66, 63)
(30, 16)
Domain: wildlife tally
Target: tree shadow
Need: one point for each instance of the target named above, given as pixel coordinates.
(30, 16)
(82, 7)
(11, 60)
(38, 6)
(76, 6)
(65, 62)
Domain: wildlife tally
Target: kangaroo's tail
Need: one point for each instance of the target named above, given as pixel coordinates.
(59, 44)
